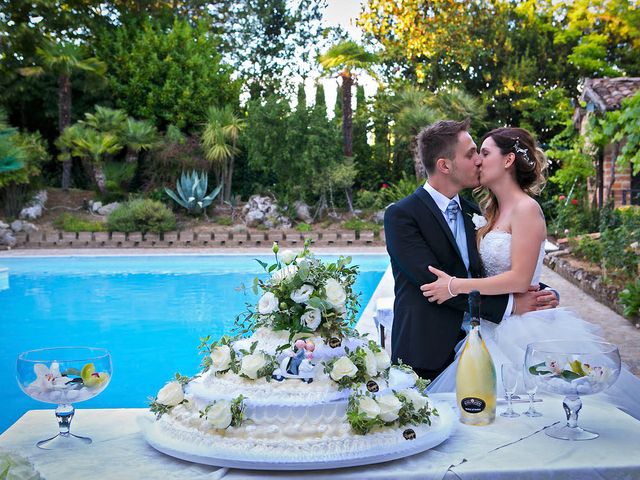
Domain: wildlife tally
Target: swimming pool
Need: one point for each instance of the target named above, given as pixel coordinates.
(148, 311)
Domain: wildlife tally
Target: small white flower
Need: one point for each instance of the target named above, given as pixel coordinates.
(478, 220)
(553, 365)
(383, 360)
(415, 398)
(302, 294)
(220, 358)
(389, 407)
(335, 293)
(49, 378)
(369, 407)
(311, 318)
(599, 374)
(171, 394)
(288, 256)
(251, 364)
(219, 414)
(268, 303)
(343, 368)
(285, 273)
(370, 363)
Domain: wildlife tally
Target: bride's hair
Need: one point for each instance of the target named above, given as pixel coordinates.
(530, 169)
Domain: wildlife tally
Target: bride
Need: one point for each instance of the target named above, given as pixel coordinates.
(511, 245)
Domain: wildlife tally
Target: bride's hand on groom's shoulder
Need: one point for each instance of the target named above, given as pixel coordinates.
(534, 299)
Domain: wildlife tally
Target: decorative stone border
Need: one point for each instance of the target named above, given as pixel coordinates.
(192, 238)
(588, 282)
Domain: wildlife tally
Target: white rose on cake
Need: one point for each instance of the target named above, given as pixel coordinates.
(369, 407)
(268, 303)
(382, 359)
(343, 368)
(370, 363)
(288, 256)
(171, 394)
(415, 398)
(251, 364)
(311, 318)
(220, 358)
(302, 294)
(335, 294)
(219, 414)
(389, 407)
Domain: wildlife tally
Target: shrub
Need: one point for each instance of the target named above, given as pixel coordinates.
(223, 221)
(630, 298)
(366, 199)
(618, 257)
(359, 225)
(303, 227)
(70, 223)
(142, 215)
(589, 249)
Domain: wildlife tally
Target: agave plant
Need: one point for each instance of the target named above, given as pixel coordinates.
(192, 189)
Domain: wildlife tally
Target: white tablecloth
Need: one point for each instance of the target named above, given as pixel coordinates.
(509, 448)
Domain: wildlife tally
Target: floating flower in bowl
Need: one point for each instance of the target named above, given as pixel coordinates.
(64, 376)
(572, 369)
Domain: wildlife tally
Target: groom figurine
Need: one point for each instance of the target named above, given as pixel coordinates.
(433, 226)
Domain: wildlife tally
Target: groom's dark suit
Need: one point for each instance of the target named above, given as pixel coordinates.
(424, 334)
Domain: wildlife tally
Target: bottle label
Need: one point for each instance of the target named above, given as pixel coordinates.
(472, 404)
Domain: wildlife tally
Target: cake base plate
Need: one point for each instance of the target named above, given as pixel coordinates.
(426, 439)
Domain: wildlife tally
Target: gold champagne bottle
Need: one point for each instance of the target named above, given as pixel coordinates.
(476, 375)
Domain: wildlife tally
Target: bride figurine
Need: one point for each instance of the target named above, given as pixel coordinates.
(511, 245)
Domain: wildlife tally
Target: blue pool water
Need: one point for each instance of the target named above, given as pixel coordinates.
(148, 311)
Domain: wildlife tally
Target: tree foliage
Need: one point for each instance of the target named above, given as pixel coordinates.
(169, 76)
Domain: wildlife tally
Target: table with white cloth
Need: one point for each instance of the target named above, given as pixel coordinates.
(509, 448)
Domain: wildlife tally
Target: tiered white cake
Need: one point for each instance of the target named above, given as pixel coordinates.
(301, 389)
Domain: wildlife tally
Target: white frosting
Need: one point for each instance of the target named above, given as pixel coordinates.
(287, 419)
(298, 441)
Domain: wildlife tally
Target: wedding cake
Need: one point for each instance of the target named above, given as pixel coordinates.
(296, 385)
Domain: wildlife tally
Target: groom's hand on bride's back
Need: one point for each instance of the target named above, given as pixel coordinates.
(534, 299)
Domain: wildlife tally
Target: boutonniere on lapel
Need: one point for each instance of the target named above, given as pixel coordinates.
(478, 220)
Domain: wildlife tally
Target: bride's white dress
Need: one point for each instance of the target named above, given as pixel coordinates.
(507, 341)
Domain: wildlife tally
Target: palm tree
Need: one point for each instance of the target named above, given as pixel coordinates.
(346, 57)
(64, 59)
(412, 112)
(91, 146)
(137, 135)
(220, 141)
(414, 109)
(108, 120)
(12, 156)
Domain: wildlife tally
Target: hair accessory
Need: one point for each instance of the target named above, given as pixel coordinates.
(523, 151)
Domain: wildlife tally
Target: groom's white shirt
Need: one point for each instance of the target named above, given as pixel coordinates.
(442, 201)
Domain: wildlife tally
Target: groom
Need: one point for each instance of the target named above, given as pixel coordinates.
(433, 226)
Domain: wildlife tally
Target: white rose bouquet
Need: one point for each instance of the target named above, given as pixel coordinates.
(304, 295)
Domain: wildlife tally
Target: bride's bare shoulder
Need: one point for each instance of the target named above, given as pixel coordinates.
(528, 207)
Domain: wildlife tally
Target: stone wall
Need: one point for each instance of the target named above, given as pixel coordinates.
(201, 239)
